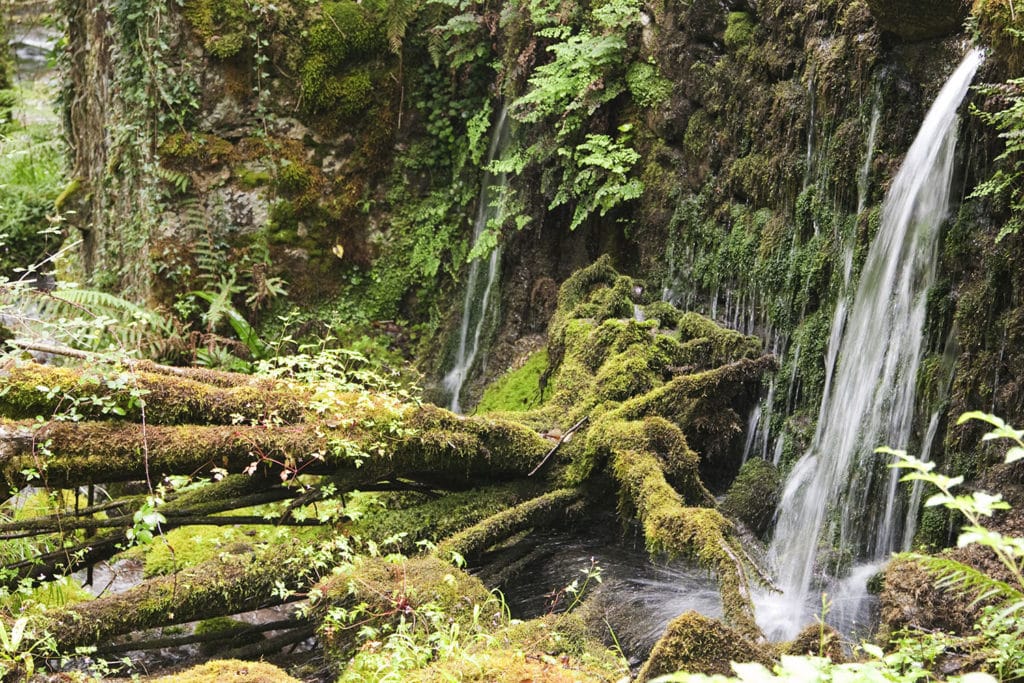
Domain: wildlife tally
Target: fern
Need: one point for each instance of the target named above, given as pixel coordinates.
(968, 581)
(222, 308)
(93, 320)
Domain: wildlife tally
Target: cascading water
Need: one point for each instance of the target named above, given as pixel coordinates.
(476, 303)
(838, 506)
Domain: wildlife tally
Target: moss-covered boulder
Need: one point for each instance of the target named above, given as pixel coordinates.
(910, 599)
(699, 644)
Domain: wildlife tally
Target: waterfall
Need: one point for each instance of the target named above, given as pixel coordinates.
(475, 305)
(839, 507)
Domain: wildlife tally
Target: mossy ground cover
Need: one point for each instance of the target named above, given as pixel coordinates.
(518, 389)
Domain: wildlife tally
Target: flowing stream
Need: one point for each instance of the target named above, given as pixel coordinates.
(840, 515)
(475, 305)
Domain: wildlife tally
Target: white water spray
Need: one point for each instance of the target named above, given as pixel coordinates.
(475, 305)
(832, 500)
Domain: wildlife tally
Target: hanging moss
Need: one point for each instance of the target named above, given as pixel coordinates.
(739, 30)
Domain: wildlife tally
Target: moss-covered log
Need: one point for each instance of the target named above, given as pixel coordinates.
(433, 446)
(236, 491)
(672, 528)
(561, 505)
(97, 392)
(226, 585)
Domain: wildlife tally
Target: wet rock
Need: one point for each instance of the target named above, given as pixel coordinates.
(914, 20)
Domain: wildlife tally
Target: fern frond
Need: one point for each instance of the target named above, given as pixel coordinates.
(93, 320)
(968, 581)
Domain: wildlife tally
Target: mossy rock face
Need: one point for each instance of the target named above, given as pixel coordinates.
(518, 389)
(229, 671)
(754, 495)
(699, 644)
(914, 20)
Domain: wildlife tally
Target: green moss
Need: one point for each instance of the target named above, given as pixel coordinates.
(67, 195)
(754, 495)
(1001, 26)
(348, 29)
(540, 511)
(554, 649)
(188, 151)
(229, 671)
(646, 85)
(739, 30)
(934, 529)
(627, 374)
(336, 75)
(517, 389)
(666, 314)
(673, 529)
(698, 644)
(221, 25)
(434, 520)
(230, 632)
(191, 545)
(817, 640)
(706, 344)
(392, 589)
(293, 178)
(253, 178)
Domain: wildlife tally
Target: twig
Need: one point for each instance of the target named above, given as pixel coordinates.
(565, 437)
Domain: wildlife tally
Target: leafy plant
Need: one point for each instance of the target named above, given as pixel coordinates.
(1008, 180)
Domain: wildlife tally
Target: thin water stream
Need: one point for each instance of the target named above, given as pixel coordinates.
(479, 286)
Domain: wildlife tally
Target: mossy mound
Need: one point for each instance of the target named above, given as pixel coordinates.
(699, 644)
(229, 671)
(817, 640)
(391, 591)
(553, 649)
(911, 600)
(754, 495)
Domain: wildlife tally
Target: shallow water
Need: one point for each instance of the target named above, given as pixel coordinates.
(637, 597)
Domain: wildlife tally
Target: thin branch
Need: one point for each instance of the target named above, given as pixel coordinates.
(565, 437)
